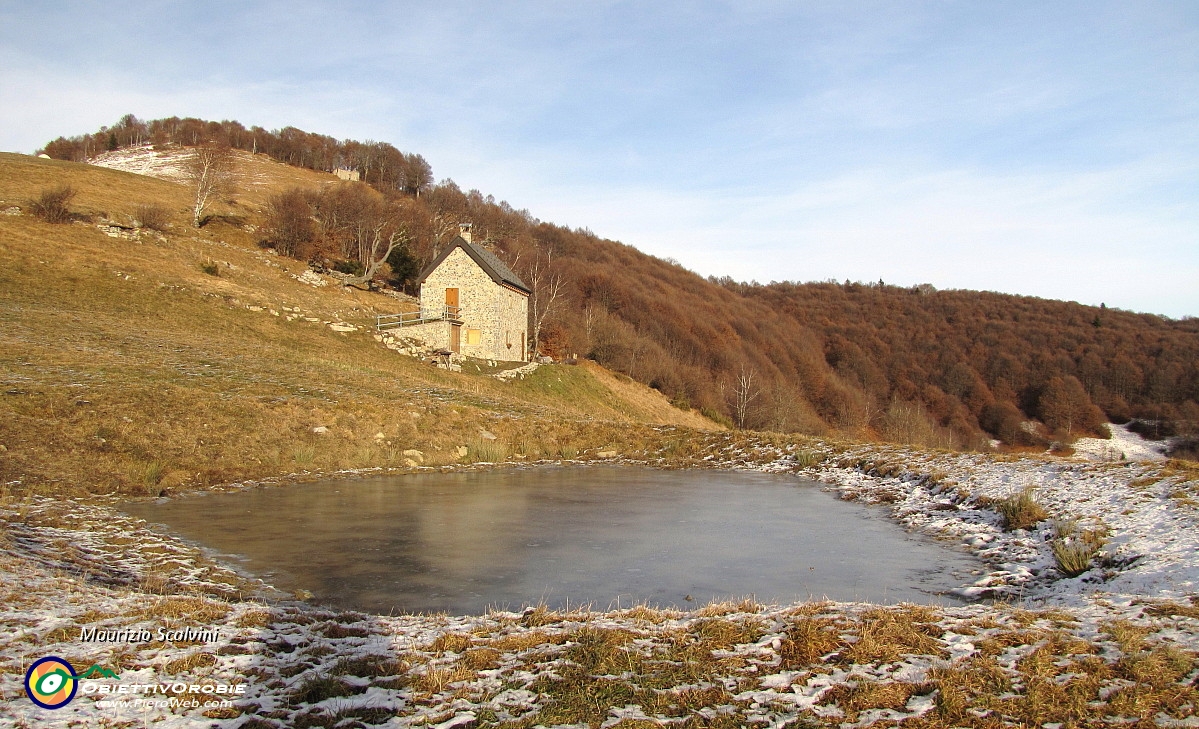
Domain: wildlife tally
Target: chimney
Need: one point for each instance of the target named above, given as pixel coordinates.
(464, 231)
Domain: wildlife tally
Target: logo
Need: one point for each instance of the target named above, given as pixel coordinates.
(51, 682)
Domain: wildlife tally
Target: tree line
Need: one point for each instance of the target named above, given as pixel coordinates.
(378, 163)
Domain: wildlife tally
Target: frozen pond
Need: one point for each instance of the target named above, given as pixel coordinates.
(605, 537)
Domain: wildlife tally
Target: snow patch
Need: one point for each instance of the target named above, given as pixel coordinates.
(168, 163)
(1124, 445)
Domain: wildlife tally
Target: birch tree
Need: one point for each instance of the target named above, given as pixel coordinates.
(210, 172)
(546, 287)
(745, 392)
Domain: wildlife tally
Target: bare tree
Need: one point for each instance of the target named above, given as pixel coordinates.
(780, 402)
(745, 392)
(546, 290)
(210, 172)
(590, 321)
(443, 226)
(290, 225)
(383, 233)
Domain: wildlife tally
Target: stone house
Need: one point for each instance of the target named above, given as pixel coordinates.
(472, 305)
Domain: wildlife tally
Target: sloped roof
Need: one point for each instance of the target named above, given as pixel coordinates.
(488, 261)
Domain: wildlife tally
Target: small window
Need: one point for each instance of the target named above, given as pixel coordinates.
(473, 336)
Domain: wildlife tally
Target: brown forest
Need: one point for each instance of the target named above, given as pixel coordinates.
(941, 368)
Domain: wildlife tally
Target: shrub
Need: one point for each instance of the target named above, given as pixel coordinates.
(1185, 448)
(1153, 429)
(52, 205)
(716, 417)
(352, 268)
(404, 267)
(1021, 510)
(212, 268)
(152, 216)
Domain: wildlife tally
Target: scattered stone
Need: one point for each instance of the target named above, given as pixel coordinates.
(254, 308)
(606, 454)
(3, 448)
(486, 434)
(461, 451)
(517, 372)
(320, 429)
(338, 326)
(382, 436)
(410, 463)
(413, 453)
(14, 210)
(312, 278)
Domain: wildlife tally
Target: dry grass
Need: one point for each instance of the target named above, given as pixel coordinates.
(254, 619)
(729, 607)
(809, 640)
(437, 679)
(451, 643)
(196, 611)
(190, 663)
(888, 634)
(1074, 549)
(1020, 510)
(521, 641)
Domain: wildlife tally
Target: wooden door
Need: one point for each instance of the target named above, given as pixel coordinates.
(455, 337)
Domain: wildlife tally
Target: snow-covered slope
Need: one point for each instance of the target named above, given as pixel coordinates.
(165, 164)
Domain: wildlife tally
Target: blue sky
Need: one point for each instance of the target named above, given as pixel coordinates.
(1039, 148)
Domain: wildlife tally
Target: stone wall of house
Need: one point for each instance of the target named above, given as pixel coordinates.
(499, 315)
(417, 339)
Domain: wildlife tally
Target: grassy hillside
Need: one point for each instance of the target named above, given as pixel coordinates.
(190, 357)
(954, 369)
